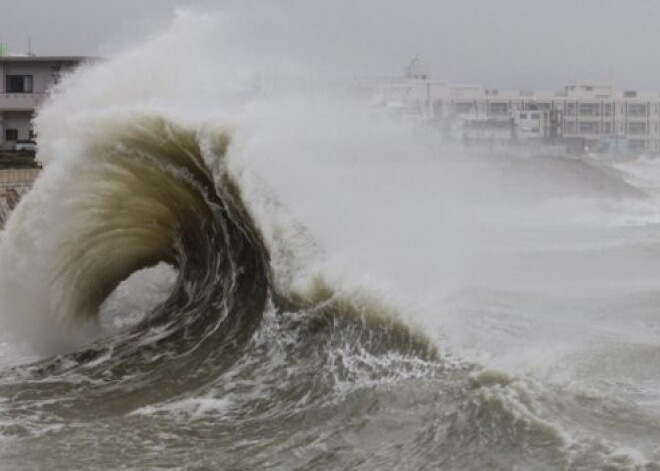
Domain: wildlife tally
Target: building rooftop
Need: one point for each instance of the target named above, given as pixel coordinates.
(26, 58)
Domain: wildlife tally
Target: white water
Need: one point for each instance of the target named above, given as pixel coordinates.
(543, 267)
(534, 272)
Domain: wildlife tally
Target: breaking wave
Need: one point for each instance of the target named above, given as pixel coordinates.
(152, 192)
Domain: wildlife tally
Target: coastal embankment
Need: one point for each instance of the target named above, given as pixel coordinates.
(14, 183)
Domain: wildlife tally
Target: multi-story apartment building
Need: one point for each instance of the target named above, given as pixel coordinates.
(25, 82)
(597, 117)
(609, 118)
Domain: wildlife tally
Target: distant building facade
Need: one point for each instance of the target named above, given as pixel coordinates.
(591, 116)
(26, 81)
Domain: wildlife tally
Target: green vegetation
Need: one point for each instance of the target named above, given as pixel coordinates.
(17, 160)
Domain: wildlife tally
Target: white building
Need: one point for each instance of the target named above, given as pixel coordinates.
(592, 116)
(25, 81)
(602, 114)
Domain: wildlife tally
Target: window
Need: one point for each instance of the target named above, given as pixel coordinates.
(523, 116)
(11, 134)
(57, 73)
(590, 109)
(499, 108)
(538, 105)
(19, 84)
(589, 128)
(463, 107)
(607, 128)
(570, 109)
(607, 109)
(637, 109)
(636, 128)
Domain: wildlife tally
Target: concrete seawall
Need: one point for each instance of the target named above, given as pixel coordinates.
(14, 183)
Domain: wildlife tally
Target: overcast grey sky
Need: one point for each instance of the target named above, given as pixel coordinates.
(501, 43)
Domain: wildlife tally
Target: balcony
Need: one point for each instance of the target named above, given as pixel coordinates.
(20, 101)
(590, 112)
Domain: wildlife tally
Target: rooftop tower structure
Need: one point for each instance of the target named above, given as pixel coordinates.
(416, 70)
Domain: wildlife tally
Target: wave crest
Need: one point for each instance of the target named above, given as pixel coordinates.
(141, 195)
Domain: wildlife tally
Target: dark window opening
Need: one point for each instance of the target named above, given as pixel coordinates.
(57, 73)
(11, 134)
(19, 84)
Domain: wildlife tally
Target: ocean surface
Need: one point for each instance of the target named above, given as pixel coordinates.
(224, 267)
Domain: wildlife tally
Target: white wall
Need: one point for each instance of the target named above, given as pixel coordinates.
(42, 74)
(21, 122)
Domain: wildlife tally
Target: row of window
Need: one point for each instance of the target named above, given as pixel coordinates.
(18, 84)
(24, 83)
(608, 128)
(11, 135)
(572, 109)
(594, 109)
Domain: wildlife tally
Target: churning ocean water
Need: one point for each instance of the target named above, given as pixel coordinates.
(221, 269)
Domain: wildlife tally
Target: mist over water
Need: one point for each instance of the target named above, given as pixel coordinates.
(230, 263)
